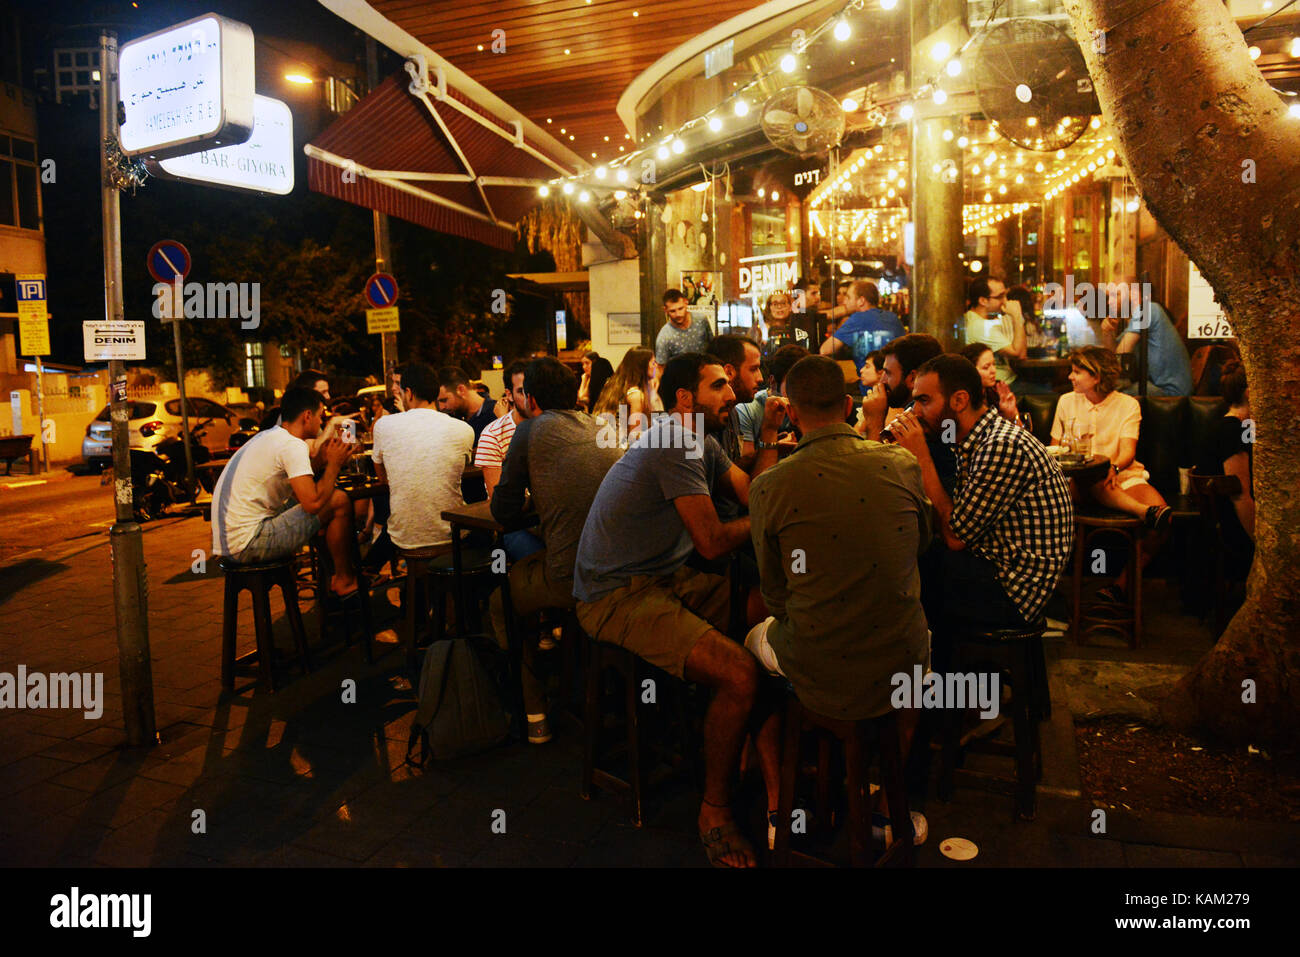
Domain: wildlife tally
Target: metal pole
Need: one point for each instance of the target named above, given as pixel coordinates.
(130, 584)
(190, 484)
(383, 254)
(40, 413)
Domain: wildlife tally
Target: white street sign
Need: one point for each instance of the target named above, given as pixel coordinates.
(264, 163)
(106, 340)
(187, 88)
(1205, 320)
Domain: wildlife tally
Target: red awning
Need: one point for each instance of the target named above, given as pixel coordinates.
(434, 158)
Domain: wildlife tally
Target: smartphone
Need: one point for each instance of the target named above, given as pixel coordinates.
(885, 434)
(349, 431)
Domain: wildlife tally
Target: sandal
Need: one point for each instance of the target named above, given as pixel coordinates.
(1158, 517)
(721, 841)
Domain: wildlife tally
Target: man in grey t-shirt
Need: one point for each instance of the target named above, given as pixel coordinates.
(635, 590)
(680, 334)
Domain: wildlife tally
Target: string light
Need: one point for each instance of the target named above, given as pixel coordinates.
(842, 30)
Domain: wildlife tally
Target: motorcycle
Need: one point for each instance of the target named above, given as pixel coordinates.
(158, 476)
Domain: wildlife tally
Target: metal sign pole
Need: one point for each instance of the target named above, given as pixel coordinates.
(130, 584)
(40, 413)
(190, 484)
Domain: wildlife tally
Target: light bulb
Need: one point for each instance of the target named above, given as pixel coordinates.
(620, 194)
(584, 196)
(940, 97)
(953, 67)
(762, 193)
(888, 4)
(906, 111)
(842, 30)
(849, 105)
(679, 146)
(1023, 93)
(1295, 46)
(601, 172)
(715, 124)
(963, 142)
(662, 152)
(947, 135)
(544, 191)
(940, 51)
(1254, 52)
(776, 195)
(1294, 110)
(741, 107)
(621, 176)
(788, 63)
(568, 189)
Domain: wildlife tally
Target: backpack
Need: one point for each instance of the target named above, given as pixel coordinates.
(460, 710)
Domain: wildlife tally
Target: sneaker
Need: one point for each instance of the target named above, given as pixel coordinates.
(882, 831)
(539, 729)
(1158, 517)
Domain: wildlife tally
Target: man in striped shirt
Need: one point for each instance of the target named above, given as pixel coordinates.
(1009, 524)
(493, 445)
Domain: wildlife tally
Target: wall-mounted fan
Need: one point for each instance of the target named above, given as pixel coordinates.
(1033, 85)
(803, 120)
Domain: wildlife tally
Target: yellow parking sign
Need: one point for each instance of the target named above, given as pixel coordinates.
(381, 320)
(33, 327)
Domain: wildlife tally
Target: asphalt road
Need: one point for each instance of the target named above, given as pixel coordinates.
(42, 519)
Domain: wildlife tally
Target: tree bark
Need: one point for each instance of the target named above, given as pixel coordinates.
(1194, 119)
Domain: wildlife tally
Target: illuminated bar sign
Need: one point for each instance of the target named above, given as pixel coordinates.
(187, 88)
(264, 163)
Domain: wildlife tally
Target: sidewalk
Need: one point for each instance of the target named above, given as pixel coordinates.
(300, 778)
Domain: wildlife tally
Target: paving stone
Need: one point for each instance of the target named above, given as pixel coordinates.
(27, 771)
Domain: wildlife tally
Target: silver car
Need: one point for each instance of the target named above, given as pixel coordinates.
(153, 421)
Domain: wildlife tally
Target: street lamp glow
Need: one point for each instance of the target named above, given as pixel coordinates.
(298, 78)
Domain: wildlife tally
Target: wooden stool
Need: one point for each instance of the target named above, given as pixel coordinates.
(329, 606)
(432, 568)
(601, 657)
(258, 578)
(862, 741)
(1016, 653)
(1087, 617)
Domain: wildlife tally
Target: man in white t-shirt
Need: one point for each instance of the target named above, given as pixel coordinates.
(422, 454)
(266, 505)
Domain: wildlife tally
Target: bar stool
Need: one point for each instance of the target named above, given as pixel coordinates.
(1091, 616)
(430, 578)
(329, 607)
(1017, 654)
(258, 578)
(862, 741)
(632, 670)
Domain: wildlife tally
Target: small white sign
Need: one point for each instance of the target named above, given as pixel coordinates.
(113, 340)
(264, 163)
(187, 88)
(1205, 320)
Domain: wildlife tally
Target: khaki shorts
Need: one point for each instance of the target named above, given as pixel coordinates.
(532, 587)
(660, 619)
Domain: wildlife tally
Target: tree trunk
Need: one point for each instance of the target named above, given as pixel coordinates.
(1214, 156)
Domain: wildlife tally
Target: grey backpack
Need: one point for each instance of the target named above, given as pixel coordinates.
(460, 710)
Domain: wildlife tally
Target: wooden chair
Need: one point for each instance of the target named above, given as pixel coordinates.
(1088, 617)
(258, 579)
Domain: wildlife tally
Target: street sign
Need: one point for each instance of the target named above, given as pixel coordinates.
(381, 290)
(1205, 320)
(382, 320)
(168, 261)
(263, 164)
(33, 324)
(186, 88)
(105, 340)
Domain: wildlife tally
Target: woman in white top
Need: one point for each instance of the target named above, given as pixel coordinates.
(634, 385)
(1097, 419)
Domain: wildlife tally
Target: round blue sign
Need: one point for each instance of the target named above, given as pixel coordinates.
(168, 261)
(381, 290)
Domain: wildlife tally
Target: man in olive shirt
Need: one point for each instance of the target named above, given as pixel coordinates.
(845, 618)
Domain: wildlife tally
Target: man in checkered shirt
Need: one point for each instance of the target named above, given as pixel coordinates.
(1009, 526)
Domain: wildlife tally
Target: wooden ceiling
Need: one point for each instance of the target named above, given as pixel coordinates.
(566, 61)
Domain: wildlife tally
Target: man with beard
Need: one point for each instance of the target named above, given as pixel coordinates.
(1009, 524)
(654, 507)
(743, 364)
(902, 357)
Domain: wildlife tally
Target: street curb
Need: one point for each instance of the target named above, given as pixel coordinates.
(30, 481)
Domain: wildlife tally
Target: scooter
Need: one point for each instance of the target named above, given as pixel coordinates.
(158, 475)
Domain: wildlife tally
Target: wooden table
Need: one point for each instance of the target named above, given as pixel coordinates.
(1086, 473)
(1055, 372)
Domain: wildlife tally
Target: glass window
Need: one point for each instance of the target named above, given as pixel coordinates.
(139, 410)
(24, 150)
(65, 78)
(65, 58)
(28, 204)
(83, 78)
(4, 146)
(83, 58)
(7, 194)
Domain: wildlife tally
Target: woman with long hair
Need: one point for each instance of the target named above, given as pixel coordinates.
(634, 385)
(997, 395)
(1097, 419)
(584, 384)
(601, 372)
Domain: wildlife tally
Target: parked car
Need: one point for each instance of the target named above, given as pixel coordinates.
(155, 421)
